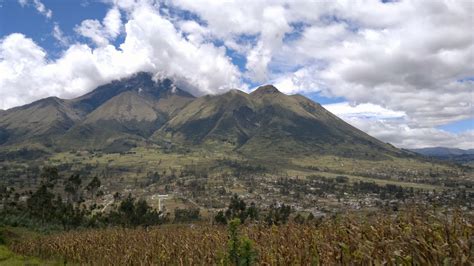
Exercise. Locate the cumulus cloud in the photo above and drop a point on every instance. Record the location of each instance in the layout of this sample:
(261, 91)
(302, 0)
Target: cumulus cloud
(402, 57)
(152, 43)
(273, 30)
(39, 6)
(366, 110)
(102, 32)
(394, 127)
(194, 32)
(410, 56)
(402, 135)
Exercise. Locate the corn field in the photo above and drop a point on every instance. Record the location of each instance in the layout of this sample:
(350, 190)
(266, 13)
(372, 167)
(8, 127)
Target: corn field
(416, 237)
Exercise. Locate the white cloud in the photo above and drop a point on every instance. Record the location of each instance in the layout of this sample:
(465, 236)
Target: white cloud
(229, 20)
(93, 30)
(39, 6)
(410, 59)
(194, 32)
(394, 127)
(299, 81)
(152, 43)
(102, 32)
(274, 27)
(366, 110)
(405, 136)
(113, 22)
(59, 35)
(407, 57)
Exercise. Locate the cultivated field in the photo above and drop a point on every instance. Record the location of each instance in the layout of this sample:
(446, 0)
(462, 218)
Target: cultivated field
(410, 237)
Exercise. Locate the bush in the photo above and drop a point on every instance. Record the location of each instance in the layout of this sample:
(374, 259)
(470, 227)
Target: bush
(278, 215)
(237, 209)
(342, 179)
(186, 215)
(133, 213)
(240, 249)
(2, 238)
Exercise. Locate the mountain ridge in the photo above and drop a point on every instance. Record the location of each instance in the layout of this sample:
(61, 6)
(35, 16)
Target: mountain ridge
(443, 151)
(128, 112)
(460, 156)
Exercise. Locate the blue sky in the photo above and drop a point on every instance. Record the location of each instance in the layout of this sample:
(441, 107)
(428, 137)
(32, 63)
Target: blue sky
(459, 126)
(389, 72)
(68, 14)
(27, 20)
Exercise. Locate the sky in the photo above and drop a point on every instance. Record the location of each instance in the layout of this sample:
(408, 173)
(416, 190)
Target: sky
(402, 71)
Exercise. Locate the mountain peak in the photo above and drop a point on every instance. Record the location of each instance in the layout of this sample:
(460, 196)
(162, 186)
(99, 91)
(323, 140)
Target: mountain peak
(141, 82)
(266, 89)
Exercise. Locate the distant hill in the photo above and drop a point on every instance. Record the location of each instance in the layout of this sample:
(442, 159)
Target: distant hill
(448, 154)
(138, 110)
(442, 151)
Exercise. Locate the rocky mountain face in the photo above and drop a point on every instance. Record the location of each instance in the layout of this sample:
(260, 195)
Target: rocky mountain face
(137, 110)
(134, 107)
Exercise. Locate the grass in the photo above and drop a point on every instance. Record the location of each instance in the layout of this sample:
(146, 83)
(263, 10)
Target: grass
(397, 171)
(157, 158)
(8, 257)
(151, 159)
(348, 165)
(355, 178)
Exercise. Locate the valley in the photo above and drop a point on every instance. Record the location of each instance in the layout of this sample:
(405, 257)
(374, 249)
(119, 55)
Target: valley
(236, 133)
(207, 179)
(140, 153)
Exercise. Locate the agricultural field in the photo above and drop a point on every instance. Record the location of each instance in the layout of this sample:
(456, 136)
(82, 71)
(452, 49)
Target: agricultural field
(413, 236)
(93, 207)
(8, 257)
(206, 179)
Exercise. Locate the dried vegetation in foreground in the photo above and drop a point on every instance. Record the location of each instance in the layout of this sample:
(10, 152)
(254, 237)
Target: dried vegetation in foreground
(414, 237)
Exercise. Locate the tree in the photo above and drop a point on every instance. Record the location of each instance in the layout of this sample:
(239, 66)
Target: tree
(240, 250)
(252, 211)
(299, 219)
(72, 187)
(93, 186)
(236, 209)
(220, 218)
(132, 213)
(40, 204)
(278, 214)
(49, 176)
(342, 179)
(186, 215)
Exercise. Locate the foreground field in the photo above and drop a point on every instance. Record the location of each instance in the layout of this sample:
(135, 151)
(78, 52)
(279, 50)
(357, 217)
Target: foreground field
(414, 237)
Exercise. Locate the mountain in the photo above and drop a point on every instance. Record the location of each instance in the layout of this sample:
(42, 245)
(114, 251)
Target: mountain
(137, 110)
(42, 121)
(124, 112)
(133, 107)
(268, 121)
(443, 151)
(448, 154)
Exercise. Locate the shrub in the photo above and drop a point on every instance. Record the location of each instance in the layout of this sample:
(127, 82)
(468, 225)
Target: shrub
(240, 249)
(186, 215)
(2, 238)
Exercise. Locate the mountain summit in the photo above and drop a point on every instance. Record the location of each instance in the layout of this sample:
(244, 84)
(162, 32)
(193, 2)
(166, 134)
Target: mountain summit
(132, 107)
(266, 89)
(138, 110)
(268, 121)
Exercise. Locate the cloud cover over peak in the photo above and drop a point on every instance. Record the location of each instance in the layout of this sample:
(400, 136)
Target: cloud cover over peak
(410, 57)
